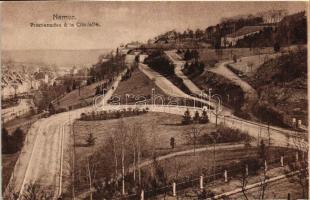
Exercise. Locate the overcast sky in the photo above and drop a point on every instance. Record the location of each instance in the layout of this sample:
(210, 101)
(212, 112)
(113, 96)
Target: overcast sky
(120, 22)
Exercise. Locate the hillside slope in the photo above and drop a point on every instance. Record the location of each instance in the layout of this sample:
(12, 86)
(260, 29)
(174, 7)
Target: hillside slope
(281, 84)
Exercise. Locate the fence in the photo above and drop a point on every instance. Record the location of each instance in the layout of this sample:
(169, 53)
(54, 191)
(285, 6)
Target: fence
(221, 176)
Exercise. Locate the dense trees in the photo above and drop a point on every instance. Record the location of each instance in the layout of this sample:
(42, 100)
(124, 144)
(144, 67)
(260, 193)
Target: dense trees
(12, 143)
(193, 68)
(286, 30)
(291, 30)
(159, 63)
(107, 68)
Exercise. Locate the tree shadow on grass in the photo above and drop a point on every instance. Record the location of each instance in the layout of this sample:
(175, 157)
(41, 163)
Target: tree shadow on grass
(81, 145)
(176, 124)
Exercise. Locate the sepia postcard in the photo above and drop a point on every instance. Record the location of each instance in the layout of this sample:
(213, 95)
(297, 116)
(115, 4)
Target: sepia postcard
(165, 100)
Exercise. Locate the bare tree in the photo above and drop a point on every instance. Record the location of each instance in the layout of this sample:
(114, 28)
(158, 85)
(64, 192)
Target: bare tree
(136, 139)
(301, 164)
(114, 142)
(263, 184)
(122, 133)
(133, 140)
(192, 134)
(244, 182)
(250, 65)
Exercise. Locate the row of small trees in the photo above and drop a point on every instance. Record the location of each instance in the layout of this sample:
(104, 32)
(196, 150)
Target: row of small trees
(188, 119)
(104, 115)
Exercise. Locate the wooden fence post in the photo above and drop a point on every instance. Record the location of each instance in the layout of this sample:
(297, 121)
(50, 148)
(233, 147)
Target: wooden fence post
(174, 189)
(201, 182)
(142, 194)
(225, 176)
(282, 163)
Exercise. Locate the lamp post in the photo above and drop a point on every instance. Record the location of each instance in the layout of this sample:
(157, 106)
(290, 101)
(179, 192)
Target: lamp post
(209, 106)
(153, 96)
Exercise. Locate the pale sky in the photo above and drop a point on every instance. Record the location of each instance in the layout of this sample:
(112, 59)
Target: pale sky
(120, 22)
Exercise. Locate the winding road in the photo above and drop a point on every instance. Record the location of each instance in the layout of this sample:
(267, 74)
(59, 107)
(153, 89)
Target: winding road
(44, 158)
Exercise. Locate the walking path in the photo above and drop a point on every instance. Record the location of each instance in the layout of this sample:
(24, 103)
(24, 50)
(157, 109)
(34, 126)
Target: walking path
(41, 160)
(255, 185)
(179, 63)
(251, 96)
(171, 155)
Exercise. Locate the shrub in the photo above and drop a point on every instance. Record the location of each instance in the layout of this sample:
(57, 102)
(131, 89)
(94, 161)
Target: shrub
(90, 140)
(204, 117)
(12, 143)
(172, 142)
(196, 117)
(104, 115)
(224, 135)
(276, 47)
(187, 119)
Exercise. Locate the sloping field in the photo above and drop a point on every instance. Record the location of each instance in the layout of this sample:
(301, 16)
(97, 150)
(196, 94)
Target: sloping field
(224, 54)
(137, 86)
(75, 97)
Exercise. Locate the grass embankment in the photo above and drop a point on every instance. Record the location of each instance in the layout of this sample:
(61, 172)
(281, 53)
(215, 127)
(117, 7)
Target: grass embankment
(232, 95)
(77, 97)
(161, 64)
(138, 87)
(8, 163)
(9, 159)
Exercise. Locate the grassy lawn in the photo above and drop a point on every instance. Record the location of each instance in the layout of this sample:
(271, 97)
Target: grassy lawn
(157, 129)
(137, 85)
(8, 163)
(249, 65)
(275, 190)
(192, 165)
(162, 125)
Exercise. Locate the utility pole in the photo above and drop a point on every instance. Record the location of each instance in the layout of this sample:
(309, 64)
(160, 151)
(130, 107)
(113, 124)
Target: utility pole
(268, 128)
(214, 160)
(90, 181)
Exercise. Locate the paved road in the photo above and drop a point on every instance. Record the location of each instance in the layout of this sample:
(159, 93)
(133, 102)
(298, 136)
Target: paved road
(179, 63)
(162, 82)
(278, 135)
(221, 69)
(42, 160)
(170, 89)
(42, 157)
(251, 96)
